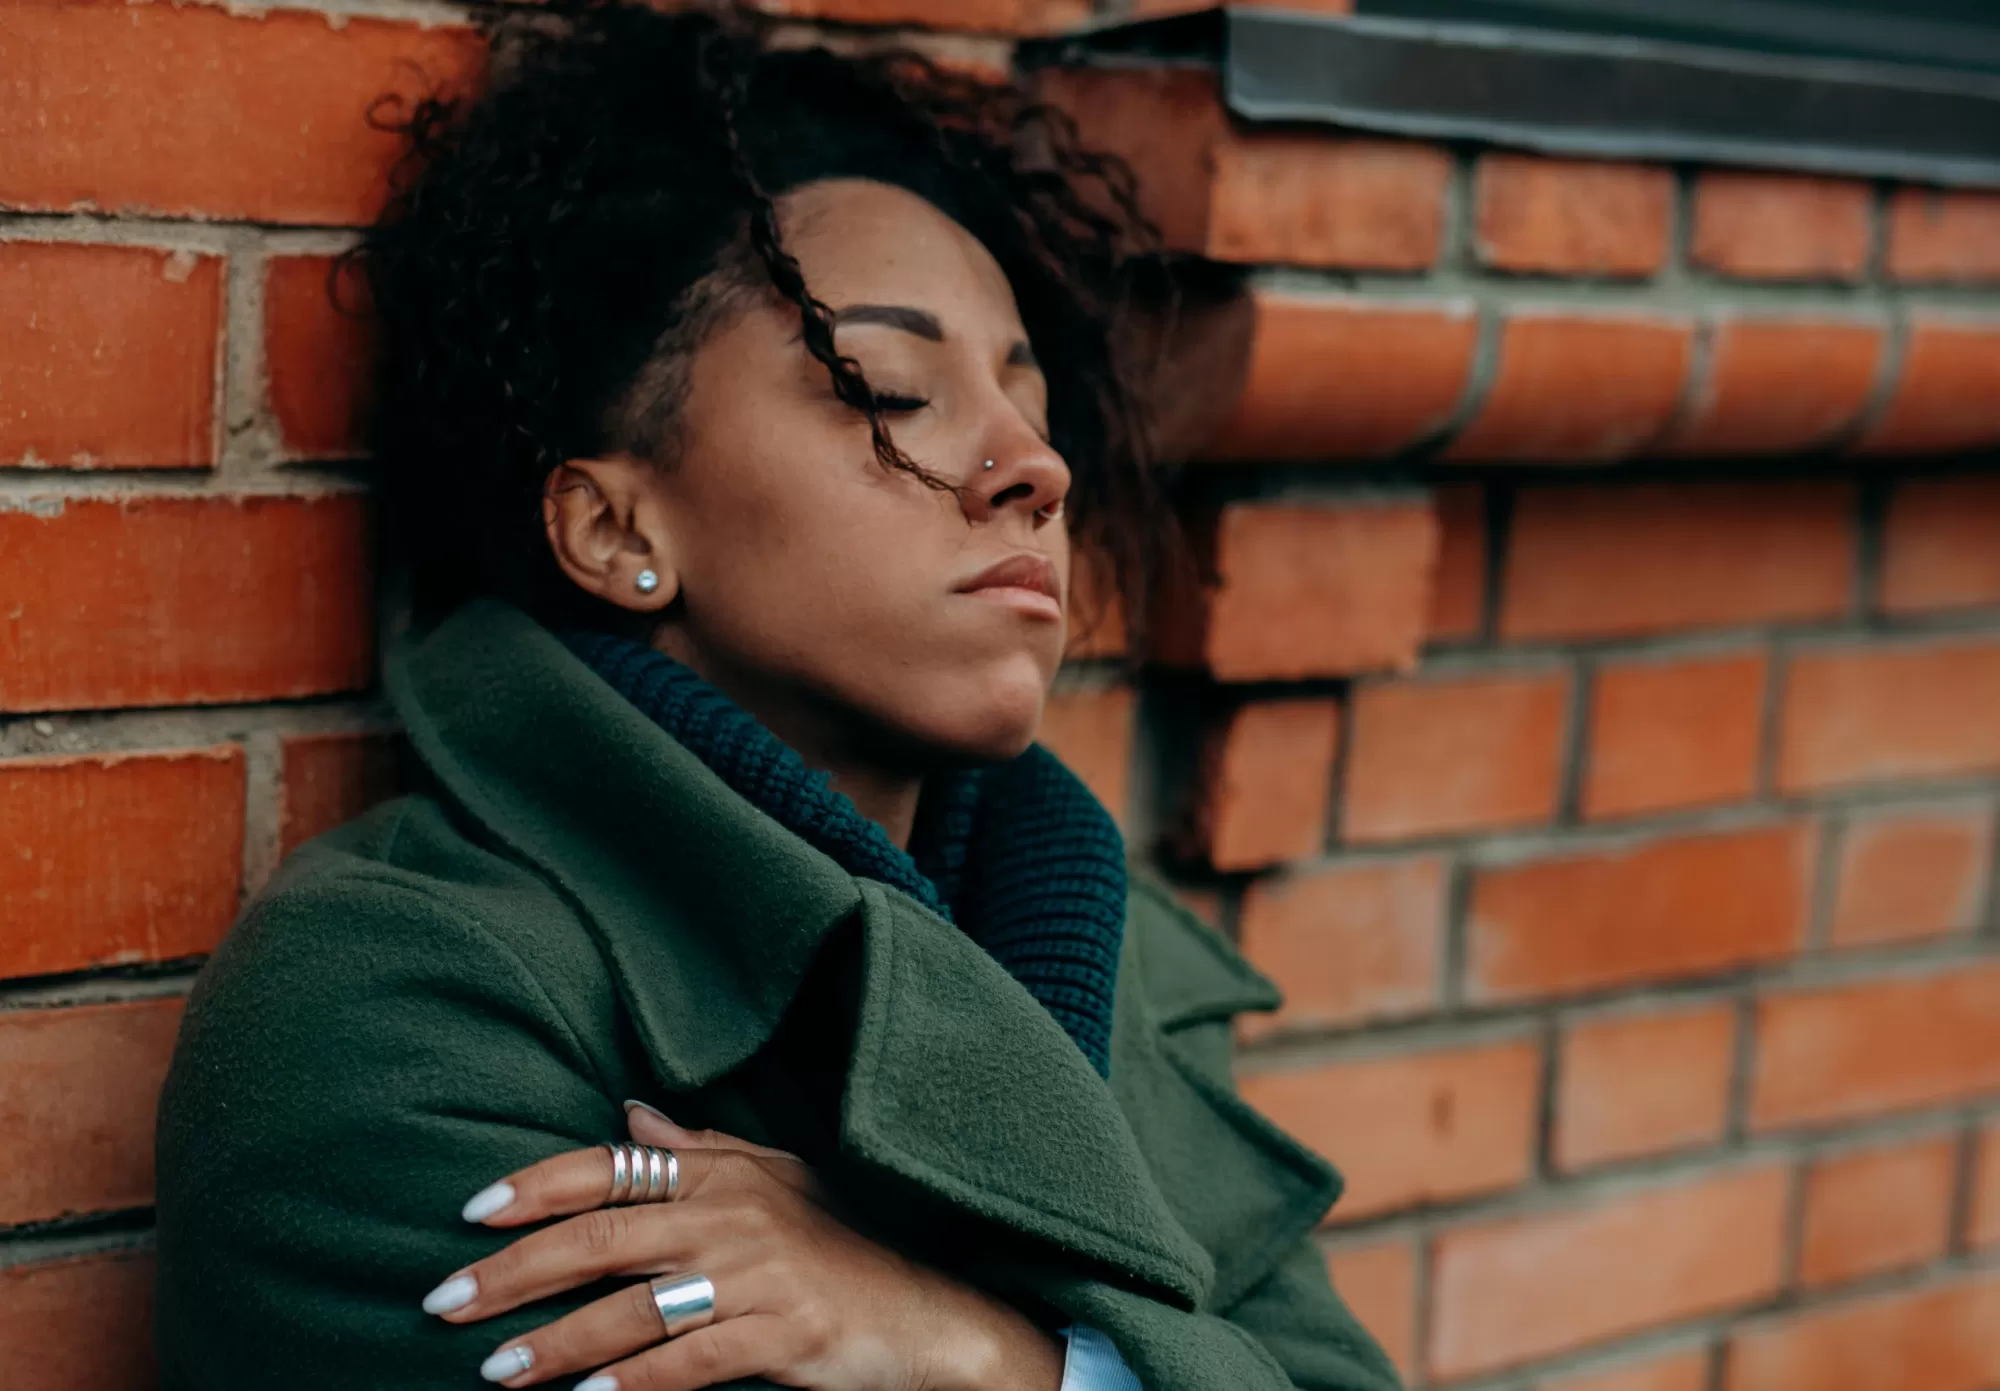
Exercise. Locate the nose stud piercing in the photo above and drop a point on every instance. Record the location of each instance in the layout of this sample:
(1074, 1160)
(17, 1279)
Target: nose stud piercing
(987, 464)
(647, 581)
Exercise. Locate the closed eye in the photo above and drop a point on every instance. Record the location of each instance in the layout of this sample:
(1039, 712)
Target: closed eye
(890, 403)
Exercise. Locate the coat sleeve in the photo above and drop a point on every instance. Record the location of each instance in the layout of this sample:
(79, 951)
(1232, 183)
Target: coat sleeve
(358, 1058)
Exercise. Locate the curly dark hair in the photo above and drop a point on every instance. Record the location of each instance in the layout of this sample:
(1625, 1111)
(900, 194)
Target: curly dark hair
(556, 249)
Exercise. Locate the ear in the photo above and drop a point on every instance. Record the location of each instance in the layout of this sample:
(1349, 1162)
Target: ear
(607, 526)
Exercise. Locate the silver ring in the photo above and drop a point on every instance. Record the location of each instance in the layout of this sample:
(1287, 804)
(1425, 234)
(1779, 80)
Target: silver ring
(642, 1174)
(684, 1304)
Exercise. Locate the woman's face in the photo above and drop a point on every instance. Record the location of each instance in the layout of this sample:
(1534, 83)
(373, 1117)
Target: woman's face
(838, 600)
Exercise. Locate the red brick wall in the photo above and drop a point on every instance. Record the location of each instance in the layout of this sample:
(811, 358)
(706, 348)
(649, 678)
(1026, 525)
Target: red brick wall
(1620, 825)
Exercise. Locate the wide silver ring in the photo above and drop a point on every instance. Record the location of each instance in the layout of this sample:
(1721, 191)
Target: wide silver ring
(643, 1174)
(685, 1304)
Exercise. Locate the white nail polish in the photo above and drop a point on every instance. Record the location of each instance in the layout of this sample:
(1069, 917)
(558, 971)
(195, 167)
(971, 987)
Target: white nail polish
(600, 1382)
(508, 1363)
(495, 1197)
(652, 1111)
(455, 1293)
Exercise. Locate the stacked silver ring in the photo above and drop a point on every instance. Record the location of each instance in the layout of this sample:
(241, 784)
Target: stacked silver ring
(685, 1304)
(643, 1174)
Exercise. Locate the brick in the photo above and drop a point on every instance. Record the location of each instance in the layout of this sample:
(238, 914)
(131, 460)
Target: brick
(1939, 1338)
(195, 111)
(1266, 781)
(329, 779)
(1096, 613)
(1413, 1128)
(1433, 756)
(1378, 1282)
(1666, 735)
(81, 1324)
(1572, 216)
(1639, 1084)
(1612, 561)
(1781, 226)
(118, 858)
(1875, 1210)
(1665, 909)
(110, 356)
(1458, 589)
(1948, 397)
(317, 357)
(80, 1084)
(1982, 1226)
(1151, 8)
(1333, 378)
(1855, 1051)
(1305, 589)
(1264, 197)
(1870, 712)
(983, 16)
(1509, 1292)
(1353, 942)
(1779, 386)
(1318, 200)
(1911, 876)
(1944, 237)
(211, 599)
(1676, 1371)
(1941, 545)
(1091, 731)
(1577, 387)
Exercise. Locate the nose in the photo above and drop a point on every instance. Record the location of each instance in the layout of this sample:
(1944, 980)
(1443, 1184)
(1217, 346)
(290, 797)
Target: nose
(1019, 473)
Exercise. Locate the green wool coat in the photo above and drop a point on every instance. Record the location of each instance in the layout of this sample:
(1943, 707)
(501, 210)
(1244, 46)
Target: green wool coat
(574, 911)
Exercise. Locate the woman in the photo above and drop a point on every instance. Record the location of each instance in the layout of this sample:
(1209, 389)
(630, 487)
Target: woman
(737, 407)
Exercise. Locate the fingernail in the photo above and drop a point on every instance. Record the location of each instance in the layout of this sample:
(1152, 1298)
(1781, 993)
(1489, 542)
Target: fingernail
(508, 1363)
(455, 1293)
(649, 1110)
(491, 1199)
(600, 1382)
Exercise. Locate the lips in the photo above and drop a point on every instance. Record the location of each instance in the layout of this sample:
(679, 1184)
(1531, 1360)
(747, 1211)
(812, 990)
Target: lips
(1035, 573)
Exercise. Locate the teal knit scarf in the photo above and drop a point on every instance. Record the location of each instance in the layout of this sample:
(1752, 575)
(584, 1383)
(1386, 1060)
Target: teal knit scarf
(1020, 855)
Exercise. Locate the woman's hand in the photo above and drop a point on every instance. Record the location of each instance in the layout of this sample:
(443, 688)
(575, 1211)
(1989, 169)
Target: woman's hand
(800, 1298)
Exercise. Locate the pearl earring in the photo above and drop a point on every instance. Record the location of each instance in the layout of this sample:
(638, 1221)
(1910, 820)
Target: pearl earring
(987, 464)
(647, 581)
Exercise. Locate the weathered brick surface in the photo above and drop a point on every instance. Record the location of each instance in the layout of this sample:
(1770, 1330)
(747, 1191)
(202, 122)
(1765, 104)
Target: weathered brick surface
(317, 342)
(1686, 1370)
(194, 111)
(1336, 378)
(1458, 586)
(212, 599)
(1906, 876)
(1304, 589)
(1878, 711)
(1779, 386)
(78, 1324)
(1876, 1046)
(118, 859)
(108, 357)
(1659, 910)
(80, 1083)
(1358, 941)
(1781, 227)
(1635, 1084)
(1941, 545)
(1942, 236)
(1576, 387)
(1611, 561)
(1306, 200)
(1091, 731)
(1411, 1128)
(331, 778)
(1267, 774)
(1939, 1337)
(1948, 396)
(1432, 756)
(1509, 1291)
(1877, 1209)
(1982, 1218)
(1572, 217)
(1665, 735)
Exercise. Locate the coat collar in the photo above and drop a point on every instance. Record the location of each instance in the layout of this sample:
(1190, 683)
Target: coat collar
(708, 910)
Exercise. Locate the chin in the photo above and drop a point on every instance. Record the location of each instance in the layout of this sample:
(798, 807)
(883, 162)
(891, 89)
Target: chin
(985, 718)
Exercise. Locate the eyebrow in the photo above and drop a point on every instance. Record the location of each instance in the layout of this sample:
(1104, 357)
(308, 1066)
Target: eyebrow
(920, 322)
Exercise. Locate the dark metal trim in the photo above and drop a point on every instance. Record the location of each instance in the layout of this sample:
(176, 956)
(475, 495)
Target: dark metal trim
(1576, 94)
